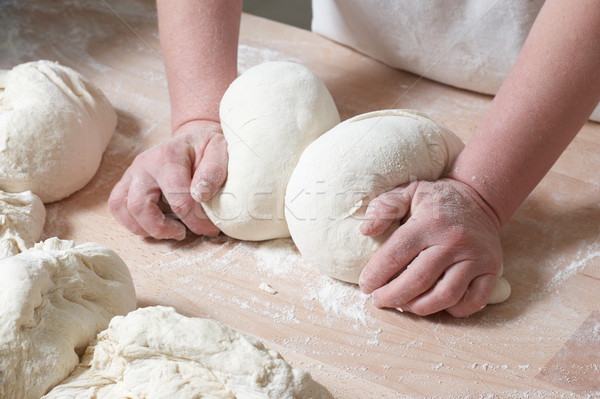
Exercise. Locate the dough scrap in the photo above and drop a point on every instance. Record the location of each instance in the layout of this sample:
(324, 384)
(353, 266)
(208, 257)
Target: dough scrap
(156, 352)
(340, 172)
(22, 218)
(54, 128)
(269, 115)
(55, 298)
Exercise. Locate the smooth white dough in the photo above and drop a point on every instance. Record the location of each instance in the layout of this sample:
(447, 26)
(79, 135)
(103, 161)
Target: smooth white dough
(22, 217)
(158, 353)
(55, 298)
(340, 172)
(54, 128)
(269, 115)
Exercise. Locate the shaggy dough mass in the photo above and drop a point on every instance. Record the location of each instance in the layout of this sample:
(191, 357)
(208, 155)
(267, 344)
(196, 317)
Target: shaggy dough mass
(22, 218)
(156, 353)
(54, 128)
(55, 298)
(269, 115)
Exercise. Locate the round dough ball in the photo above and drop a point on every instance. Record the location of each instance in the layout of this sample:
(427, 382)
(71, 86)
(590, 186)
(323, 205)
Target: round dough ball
(269, 115)
(54, 128)
(55, 298)
(155, 352)
(22, 218)
(340, 172)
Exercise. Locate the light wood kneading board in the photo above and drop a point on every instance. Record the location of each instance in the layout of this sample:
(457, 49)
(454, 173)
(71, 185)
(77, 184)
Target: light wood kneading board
(544, 342)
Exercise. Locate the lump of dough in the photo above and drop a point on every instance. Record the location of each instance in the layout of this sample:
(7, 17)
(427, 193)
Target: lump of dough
(22, 217)
(156, 352)
(340, 172)
(269, 115)
(55, 298)
(54, 128)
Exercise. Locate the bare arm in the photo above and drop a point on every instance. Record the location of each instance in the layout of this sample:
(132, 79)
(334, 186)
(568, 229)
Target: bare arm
(447, 254)
(199, 39)
(549, 94)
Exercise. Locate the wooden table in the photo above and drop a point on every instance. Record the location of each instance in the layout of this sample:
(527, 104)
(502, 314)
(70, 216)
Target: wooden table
(543, 342)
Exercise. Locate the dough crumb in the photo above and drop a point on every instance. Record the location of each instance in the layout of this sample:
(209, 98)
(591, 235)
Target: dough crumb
(267, 288)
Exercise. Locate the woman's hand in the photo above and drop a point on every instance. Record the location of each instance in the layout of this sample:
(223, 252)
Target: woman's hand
(187, 169)
(446, 254)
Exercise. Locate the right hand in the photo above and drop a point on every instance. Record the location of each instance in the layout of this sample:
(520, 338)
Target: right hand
(187, 169)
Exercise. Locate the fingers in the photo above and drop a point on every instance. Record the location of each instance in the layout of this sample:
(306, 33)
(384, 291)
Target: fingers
(386, 209)
(476, 296)
(142, 204)
(423, 273)
(391, 258)
(117, 204)
(446, 292)
(211, 171)
(174, 182)
(456, 291)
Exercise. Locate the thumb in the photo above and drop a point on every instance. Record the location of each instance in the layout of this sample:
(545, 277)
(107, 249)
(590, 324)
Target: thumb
(386, 209)
(211, 171)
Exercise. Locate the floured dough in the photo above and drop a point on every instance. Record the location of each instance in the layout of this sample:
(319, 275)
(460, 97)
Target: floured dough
(22, 218)
(54, 127)
(340, 172)
(269, 115)
(55, 298)
(157, 353)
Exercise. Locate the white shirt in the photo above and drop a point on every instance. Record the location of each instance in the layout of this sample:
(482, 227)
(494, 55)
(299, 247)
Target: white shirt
(470, 44)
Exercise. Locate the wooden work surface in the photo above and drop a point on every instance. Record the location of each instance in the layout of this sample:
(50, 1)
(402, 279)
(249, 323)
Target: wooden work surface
(543, 342)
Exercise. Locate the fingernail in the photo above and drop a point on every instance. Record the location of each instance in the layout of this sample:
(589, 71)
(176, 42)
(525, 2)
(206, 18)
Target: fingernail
(202, 190)
(179, 236)
(400, 309)
(212, 234)
(366, 226)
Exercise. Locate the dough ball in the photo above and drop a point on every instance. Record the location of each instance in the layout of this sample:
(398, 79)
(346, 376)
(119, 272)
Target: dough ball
(157, 353)
(54, 128)
(340, 172)
(269, 115)
(22, 218)
(55, 298)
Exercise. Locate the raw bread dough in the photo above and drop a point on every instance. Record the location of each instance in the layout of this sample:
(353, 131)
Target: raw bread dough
(54, 127)
(22, 218)
(157, 353)
(55, 298)
(269, 115)
(340, 172)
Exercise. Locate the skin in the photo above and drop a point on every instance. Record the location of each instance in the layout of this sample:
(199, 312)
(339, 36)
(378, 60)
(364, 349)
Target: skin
(199, 40)
(446, 254)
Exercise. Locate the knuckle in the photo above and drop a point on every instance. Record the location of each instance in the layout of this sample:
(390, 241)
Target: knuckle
(115, 204)
(419, 282)
(136, 205)
(180, 207)
(447, 298)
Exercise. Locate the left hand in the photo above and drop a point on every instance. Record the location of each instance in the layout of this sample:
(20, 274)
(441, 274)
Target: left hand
(446, 254)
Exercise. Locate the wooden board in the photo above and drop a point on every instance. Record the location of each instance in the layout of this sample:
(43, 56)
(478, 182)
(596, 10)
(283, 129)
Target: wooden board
(543, 342)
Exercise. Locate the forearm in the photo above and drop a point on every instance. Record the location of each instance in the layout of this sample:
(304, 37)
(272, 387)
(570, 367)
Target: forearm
(548, 96)
(199, 39)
